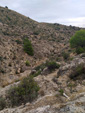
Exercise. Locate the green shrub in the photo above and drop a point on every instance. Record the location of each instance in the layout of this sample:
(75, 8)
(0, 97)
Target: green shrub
(26, 91)
(79, 50)
(40, 67)
(27, 63)
(65, 55)
(36, 74)
(28, 47)
(61, 91)
(52, 65)
(78, 41)
(18, 42)
(2, 103)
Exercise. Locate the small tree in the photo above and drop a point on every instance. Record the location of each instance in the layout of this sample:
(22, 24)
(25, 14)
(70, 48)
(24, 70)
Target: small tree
(6, 7)
(28, 47)
(78, 41)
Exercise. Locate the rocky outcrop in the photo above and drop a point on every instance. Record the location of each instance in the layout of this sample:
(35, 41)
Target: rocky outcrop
(67, 68)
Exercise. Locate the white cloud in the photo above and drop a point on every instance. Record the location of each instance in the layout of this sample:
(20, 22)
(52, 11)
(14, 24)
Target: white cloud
(59, 11)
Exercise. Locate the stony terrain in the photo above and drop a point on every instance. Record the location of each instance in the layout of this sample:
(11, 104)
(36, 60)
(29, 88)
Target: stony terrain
(49, 42)
(50, 99)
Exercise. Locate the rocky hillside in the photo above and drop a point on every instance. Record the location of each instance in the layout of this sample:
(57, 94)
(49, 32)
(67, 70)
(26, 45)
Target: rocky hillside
(58, 92)
(48, 40)
(61, 91)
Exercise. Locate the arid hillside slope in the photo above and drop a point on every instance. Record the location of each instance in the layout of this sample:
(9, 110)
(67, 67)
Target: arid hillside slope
(50, 81)
(48, 40)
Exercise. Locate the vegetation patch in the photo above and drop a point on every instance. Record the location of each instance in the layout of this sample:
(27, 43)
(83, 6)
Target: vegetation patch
(27, 63)
(61, 91)
(28, 47)
(26, 91)
(78, 41)
(65, 55)
(52, 65)
(38, 69)
(37, 73)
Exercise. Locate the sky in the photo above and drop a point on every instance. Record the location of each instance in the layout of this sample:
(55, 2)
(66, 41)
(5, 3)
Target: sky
(67, 12)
